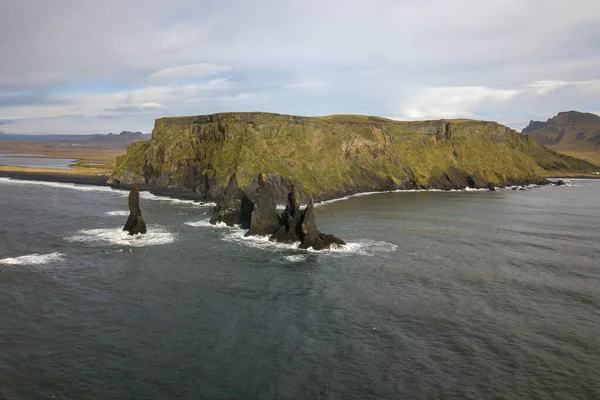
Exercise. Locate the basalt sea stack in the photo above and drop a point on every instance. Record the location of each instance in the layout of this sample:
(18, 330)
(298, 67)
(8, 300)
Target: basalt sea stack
(135, 223)
(234, 208)
(260, 216)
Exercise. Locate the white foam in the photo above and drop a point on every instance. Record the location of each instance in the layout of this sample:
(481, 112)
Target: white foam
(207, 224)
(150, 196)
(33, 259)
(156, 236)
(364, 247)
(295, 258)
(325, 202)
(61, 185)
(121, 213)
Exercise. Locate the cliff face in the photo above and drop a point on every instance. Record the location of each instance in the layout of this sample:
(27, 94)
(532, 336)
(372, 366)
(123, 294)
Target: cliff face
(567, 129)
(332, 156)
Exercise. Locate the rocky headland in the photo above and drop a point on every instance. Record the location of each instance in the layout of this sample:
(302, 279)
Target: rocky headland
(329, 157)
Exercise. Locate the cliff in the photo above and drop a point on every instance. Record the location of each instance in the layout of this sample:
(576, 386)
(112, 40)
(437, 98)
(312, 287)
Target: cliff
(334, 155)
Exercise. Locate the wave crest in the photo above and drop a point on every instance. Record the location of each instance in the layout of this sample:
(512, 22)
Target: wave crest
(33, 259)
(115, 236)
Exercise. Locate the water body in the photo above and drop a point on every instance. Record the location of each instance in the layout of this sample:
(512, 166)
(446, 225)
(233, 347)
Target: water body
(440, 295)
(35, 161)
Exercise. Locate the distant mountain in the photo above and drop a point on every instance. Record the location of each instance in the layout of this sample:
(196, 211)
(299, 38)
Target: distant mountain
(121, 140)
(45, 138)
(568, 130)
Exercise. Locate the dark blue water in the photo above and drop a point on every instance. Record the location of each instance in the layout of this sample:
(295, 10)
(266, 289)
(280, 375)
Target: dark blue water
(459, 295)
(36, 161)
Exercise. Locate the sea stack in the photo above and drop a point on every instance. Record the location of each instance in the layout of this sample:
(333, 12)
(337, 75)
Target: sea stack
(135, 223)
(264, 219)
(234, 208)
(260, 216)
(301, 226)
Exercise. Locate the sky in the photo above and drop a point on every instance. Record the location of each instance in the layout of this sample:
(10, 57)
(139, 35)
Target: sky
(90, 66)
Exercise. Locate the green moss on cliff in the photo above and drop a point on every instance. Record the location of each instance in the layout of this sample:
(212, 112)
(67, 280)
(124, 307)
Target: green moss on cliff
(335, 154)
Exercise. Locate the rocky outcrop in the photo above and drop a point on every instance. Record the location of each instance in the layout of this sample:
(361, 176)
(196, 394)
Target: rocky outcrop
(291, 226)
(135, 223)
(264, 219)
(310, 235)
(289, 221)
(234, 208)
(300, 226)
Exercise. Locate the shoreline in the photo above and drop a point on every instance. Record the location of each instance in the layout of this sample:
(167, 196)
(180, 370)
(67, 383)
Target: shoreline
(101, 180)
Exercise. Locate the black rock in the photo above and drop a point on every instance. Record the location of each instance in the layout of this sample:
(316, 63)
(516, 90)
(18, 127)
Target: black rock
(135, 223)
(289, 220)
(310, 235)
(264, 219)
(560, 183)
(234, 208)
(491, 187)
(471, 182)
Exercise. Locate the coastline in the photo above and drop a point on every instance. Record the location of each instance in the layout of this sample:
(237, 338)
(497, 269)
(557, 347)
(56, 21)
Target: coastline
(101, 180)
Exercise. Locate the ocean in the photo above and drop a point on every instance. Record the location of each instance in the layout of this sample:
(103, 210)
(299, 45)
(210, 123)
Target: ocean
(438, 295)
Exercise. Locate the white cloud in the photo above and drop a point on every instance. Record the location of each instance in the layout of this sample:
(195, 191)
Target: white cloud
(416, 59)
(454, 102)
(186, 72)
(307, 84)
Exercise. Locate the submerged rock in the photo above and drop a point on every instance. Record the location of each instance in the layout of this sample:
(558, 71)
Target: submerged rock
(234, 208)
(264, 219)
(135, 223)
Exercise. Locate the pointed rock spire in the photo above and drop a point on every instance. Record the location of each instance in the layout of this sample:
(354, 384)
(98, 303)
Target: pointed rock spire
(135, 223)
(265, 219)
(234, 208)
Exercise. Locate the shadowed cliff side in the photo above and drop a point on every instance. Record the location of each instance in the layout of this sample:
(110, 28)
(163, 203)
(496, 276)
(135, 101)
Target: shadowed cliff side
(326, 157)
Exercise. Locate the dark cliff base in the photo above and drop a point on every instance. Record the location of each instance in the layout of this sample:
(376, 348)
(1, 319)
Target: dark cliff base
(98, 181)
(202, 197)
(57, 177)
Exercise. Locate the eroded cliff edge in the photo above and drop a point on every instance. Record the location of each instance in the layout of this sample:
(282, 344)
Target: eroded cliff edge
(331, 156)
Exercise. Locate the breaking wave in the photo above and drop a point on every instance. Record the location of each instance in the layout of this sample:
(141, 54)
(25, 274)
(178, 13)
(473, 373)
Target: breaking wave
(115, 236)
(149, 196)
(117, 213)
(207, 224)
(61, 185)
(33, 259)
(236, 235)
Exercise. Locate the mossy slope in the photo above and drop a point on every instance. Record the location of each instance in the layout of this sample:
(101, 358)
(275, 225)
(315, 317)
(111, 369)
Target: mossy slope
(334, 155)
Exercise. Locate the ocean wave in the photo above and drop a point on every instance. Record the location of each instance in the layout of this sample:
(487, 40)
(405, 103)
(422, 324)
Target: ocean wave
(207, 224)
(61, 185)
(149, 196)
(33, 259)
(365, 247)
(121, 213)
(116, 236)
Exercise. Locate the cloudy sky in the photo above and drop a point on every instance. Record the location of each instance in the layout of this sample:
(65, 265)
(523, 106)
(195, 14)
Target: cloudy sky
(91, 66)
